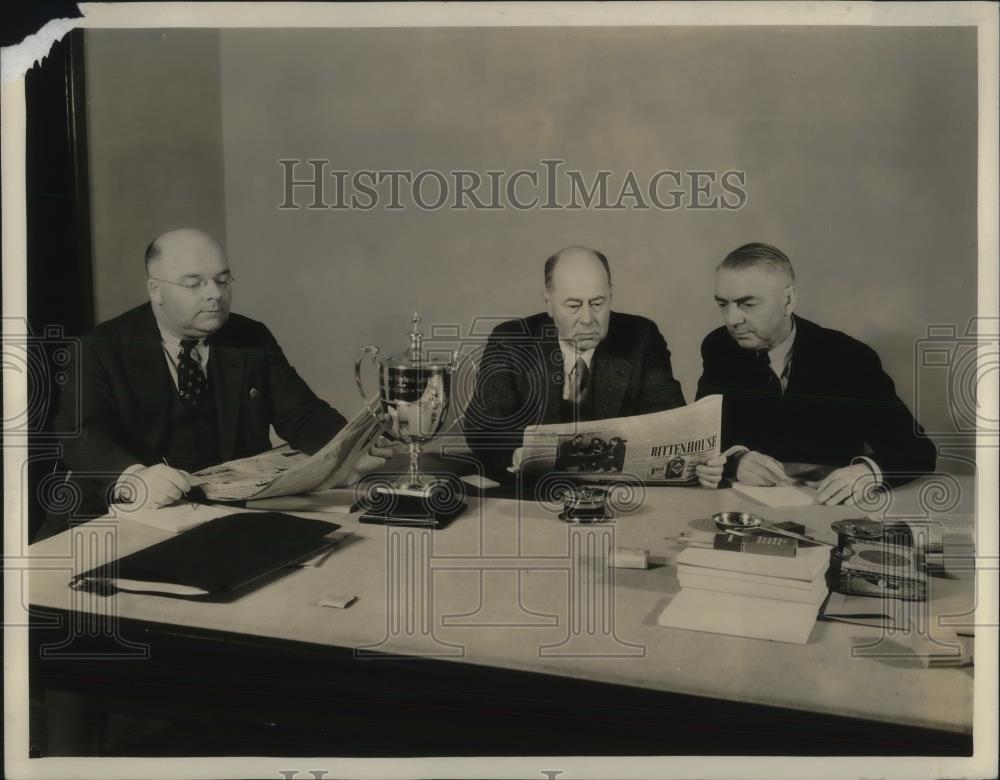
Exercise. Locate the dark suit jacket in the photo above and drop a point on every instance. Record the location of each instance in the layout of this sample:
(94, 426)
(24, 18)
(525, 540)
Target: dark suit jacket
(520, 381)
(837, 401)
(123, 403)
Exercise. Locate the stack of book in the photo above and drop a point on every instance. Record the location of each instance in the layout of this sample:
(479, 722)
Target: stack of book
(765, 587)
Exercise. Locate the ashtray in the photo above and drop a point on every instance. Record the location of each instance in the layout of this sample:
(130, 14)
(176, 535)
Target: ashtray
(862, 529)
(585, 505)
(737, 521)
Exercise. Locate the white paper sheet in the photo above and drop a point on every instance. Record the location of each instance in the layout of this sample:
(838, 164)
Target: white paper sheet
(777, 495)
(338, 501)
(748, 616)
(176, 518)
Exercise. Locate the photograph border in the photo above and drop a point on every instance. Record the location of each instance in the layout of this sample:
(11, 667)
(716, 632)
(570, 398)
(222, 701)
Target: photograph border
(228, 15)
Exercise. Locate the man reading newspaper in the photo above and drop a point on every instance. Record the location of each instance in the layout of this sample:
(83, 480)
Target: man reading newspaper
(668, 448)
(577, 362)
(178, 384)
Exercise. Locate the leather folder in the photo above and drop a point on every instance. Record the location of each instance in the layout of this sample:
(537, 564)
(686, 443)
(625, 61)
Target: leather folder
(218, 560)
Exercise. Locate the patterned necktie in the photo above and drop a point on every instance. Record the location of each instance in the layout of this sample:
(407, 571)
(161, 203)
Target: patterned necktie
(191, 382)
(579, 381)
(771, 380)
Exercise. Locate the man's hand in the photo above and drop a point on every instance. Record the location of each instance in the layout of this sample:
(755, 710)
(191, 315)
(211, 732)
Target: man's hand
(842, 485)
(376, 457)
(710, 472)
(756, 468)
(155, 486)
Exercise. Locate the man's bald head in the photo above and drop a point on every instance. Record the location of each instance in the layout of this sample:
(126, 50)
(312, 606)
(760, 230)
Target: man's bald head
(189, 240)
(578, 257)
(189, 282)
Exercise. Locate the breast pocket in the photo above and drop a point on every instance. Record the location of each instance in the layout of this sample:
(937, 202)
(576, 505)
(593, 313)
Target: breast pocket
(255, 400)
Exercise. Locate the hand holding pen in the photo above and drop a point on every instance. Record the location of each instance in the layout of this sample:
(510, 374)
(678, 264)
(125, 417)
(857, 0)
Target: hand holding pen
(158, 485)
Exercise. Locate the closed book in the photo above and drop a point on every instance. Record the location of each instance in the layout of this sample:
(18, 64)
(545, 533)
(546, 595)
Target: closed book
(807, 564)
(814, 585)
(756, 544)
(216, 560)
(736, 615)
(776, 592)
(886, 614)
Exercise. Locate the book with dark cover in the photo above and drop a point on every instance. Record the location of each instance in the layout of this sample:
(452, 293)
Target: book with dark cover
(762, 544)
(214, 560)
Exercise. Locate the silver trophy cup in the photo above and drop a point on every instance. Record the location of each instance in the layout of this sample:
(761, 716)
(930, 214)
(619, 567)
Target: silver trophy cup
(412, 403)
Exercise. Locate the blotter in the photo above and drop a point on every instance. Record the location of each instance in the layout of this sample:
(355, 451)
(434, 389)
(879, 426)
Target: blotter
(215, 561)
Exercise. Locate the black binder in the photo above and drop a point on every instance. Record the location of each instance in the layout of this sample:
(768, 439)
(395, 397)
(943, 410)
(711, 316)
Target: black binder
(218, 561)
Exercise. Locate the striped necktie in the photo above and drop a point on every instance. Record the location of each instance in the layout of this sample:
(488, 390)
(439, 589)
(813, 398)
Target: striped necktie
(579, 382)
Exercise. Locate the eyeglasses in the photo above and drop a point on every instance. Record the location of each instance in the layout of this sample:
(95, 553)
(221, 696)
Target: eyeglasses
(223, 281)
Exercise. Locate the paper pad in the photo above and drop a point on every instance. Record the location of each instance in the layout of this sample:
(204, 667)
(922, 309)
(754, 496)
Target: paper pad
(729, 613)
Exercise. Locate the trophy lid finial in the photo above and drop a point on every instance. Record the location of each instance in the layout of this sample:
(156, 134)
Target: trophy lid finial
(416, 338)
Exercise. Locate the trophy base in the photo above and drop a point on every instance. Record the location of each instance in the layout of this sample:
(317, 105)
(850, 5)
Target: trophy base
(414, 508)
(582, 518)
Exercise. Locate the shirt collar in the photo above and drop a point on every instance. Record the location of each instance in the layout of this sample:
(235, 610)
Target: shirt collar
(570, 355)
(781, 353)
(173, 344)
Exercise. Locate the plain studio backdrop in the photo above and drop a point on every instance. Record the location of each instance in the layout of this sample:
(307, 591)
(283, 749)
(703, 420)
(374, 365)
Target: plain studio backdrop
(858, 147)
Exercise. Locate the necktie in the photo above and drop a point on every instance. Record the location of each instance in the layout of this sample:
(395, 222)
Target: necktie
(191, 382)
(579, 381)
(771, 381)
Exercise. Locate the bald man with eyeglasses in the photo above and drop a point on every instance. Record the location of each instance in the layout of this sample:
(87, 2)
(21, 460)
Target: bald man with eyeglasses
(180, 383)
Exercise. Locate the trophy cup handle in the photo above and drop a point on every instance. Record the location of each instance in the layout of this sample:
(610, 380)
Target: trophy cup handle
(372, 410)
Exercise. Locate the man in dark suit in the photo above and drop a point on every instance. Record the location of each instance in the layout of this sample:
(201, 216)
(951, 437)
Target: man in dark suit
(795, 392)
(577, 361)
(179, 383)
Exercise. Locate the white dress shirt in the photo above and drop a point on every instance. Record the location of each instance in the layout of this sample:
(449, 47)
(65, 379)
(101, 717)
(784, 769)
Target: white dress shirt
(780, 356)
(570, 356)
(172, 352)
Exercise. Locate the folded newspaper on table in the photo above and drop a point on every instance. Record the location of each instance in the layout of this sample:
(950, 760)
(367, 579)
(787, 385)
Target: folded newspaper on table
(660, 448)
(285, 472)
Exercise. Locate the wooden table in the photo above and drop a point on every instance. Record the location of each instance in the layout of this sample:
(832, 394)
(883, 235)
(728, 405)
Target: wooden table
(511, 591)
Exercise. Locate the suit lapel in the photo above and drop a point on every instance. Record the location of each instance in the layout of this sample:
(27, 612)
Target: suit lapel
(803, 351)
(226, 367)
(551, 378)
(609, 376)
(149, 378)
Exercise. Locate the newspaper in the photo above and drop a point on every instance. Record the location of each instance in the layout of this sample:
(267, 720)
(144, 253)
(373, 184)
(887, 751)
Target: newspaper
(659, 448)
(284, 471)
